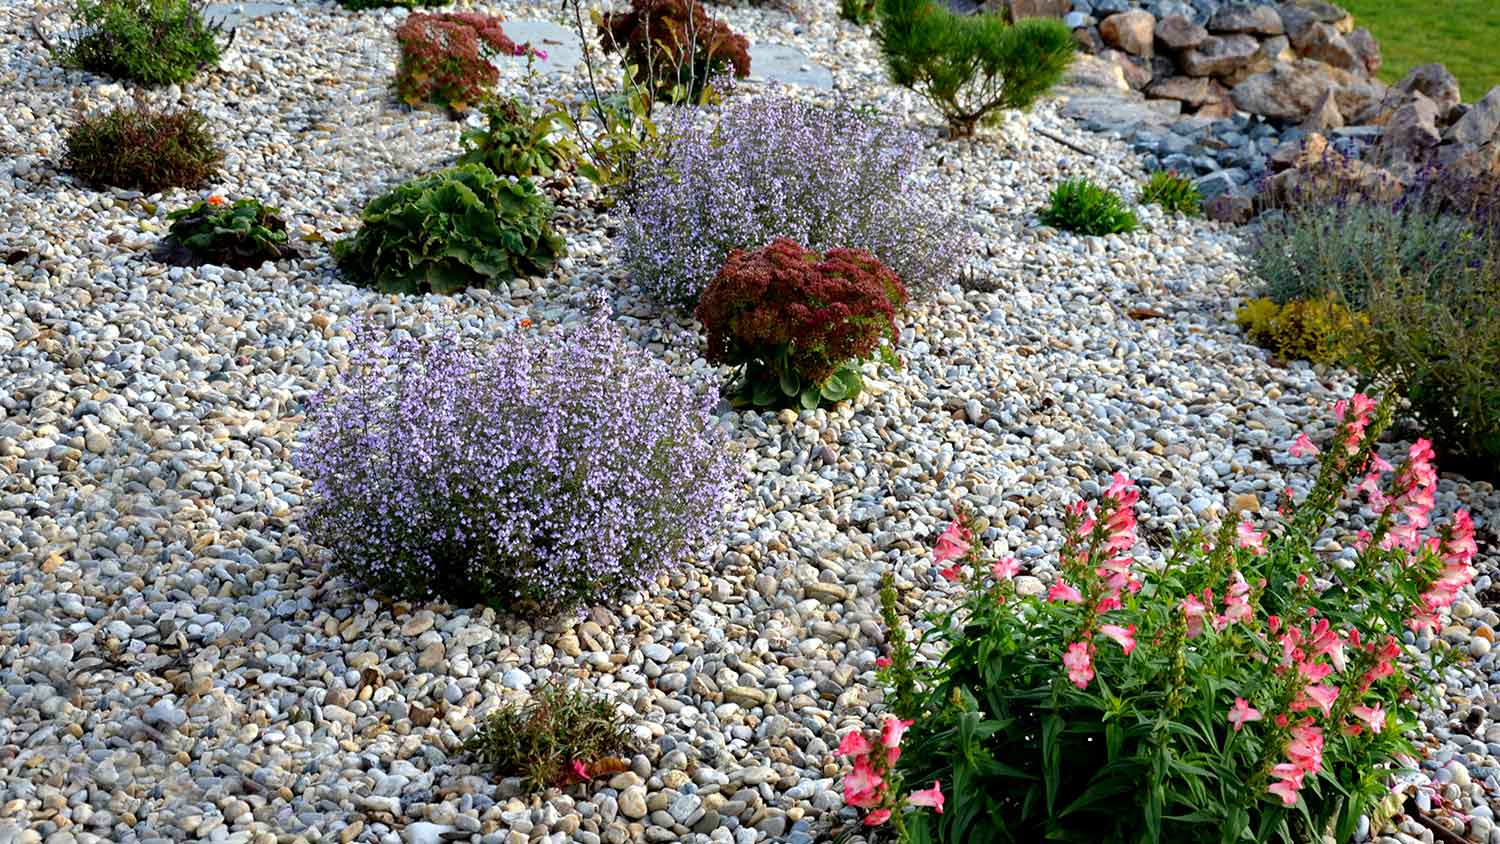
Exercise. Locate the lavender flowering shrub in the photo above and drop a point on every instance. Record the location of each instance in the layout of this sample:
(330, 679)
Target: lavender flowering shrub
(776, 168)
(532, 474)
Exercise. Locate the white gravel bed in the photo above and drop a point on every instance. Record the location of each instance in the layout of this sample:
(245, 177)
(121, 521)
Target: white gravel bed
(175, 664)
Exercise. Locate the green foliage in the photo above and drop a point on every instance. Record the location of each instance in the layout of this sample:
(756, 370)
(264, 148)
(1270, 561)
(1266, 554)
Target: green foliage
(861, 12)
(454, 229)
(244, 234)
(541, 739)
(1213, 699)
(969, 66)
(674, 48)
(798, 323)
(1424, 284)
(515, 141)
(1317, 330)
(1175, 194)
(154, 42)
(1082, 207)
(608, 153)
(140, 148)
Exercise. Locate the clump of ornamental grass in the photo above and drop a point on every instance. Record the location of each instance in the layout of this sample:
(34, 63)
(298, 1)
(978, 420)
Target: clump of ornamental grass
(797, 324)
(530, 473)
(861, 12)
(558, 736)
(141, 148)
(776, 168)
(1176, 194)
(446, 58)
(153, 42)
(245, 233)
(451, 230)
(674, 48)
(1245, 688)
(1421, 272)
(1082, 207)
(517, 141)
(971, 66)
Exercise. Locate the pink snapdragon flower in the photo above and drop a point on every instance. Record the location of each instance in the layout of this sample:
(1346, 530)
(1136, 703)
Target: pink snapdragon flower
(1303, 447)
(1005, 568)
(863, 787)
(1125, 636)
(1079, 660)
(953, 544)
(929, 797)
(1062, 591)
(1373, 716)
(1242, 712)
(1247, 537)
(854, 744)
(1195, 610)
(580, 770)
(877, 817)
(890, 738)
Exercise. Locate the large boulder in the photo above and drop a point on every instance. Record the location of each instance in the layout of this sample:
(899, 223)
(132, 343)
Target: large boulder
(1322, 42)
(1272, 50)
(1246, 18)
(1091, 72)
(1434, 82)
(1220, 55)
(1133, 31)
(1367, 48)
(1299, 14)
(1179, 33)
(1479, 124)
(1291, 90)
(1137, 70)
(1412, 133)
(1193, 90)
(1325, 115)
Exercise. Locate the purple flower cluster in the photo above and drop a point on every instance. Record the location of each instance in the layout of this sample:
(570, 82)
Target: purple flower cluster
(533, 474)
(773, 168)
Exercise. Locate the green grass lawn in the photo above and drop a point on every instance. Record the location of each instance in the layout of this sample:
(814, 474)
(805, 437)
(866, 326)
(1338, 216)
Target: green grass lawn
(1462, 34)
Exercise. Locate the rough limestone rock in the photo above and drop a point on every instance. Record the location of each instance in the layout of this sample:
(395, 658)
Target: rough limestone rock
(1179, 33)
(1367, 48)
(1290, 90)
(1193, 90)
(1039, 8)
(1132, 31)
(1434, 82)
(1478, 126)
(1299, 13)
(1220, 55)
(1325, 115)
(1137, 70)
(1412, 132)
(1246, 18)
(1088, 39)
(1092, 72)
(1229, 208)
(1322, 42)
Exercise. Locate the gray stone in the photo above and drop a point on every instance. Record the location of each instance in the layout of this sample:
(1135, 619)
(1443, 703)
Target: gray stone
(1291, 90)
(1194, 90)
(1322, 42)
(1135, 70)
(1479, 123)
(1367, 48)
(782, 63)
(1091, 72)
(1412, 131)
(1178, 33)
(1220, 55)
(1325, 114)
(1039, 8)
(1434, 82)
(1247, 18)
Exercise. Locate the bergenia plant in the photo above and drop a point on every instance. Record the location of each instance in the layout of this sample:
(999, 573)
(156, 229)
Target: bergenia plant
(1241, 686)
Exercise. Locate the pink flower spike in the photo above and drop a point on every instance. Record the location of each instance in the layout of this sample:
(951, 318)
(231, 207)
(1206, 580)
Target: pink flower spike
(1303, 447)
(1079, 662)
(1285, 790)
(541, 54)
(882, 662)
(1323, 695)
(580, 770)
(1373, 716)
(1005, 568)
(854, 744)
(1242, 712)
(1246, 536)
(1125, 636)
(931, 797)
(954, 543)
(952, 574)
(1061, 591)
(877, 817)
(863, 787)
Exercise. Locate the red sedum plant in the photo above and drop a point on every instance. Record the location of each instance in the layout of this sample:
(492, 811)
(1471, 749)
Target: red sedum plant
(674, 47)
(798, 323)
(1246, 688)
(445, 58)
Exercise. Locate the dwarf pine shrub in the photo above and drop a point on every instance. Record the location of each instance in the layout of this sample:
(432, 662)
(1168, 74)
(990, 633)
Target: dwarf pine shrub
(773, 168)
(153, 42)
(138, 147)
(531, 473)
(969, 66)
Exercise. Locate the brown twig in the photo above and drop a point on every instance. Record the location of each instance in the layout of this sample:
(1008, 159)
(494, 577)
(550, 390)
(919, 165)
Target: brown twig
(1064, 141)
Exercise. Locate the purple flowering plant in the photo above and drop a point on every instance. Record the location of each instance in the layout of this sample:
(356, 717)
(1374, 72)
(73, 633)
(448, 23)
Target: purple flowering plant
(774, 167)
(531, 473)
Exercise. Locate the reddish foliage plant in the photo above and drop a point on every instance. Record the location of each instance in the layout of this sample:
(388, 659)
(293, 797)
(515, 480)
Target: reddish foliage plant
(675, 42)
(788, 312)
(445, 57)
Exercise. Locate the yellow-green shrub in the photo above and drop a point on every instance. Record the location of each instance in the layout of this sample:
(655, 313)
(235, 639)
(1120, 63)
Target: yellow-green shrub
(1318, 330)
